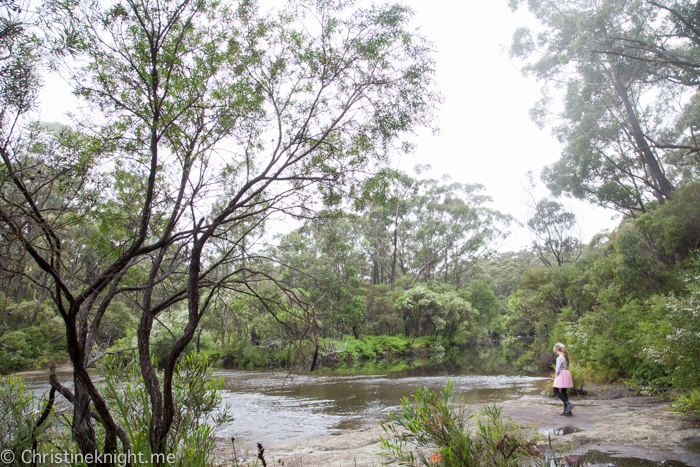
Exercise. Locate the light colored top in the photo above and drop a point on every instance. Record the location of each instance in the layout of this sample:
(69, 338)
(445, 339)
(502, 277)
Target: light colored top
(561, 364)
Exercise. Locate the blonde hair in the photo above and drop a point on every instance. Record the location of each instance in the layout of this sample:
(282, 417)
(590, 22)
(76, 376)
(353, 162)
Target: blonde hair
(559, 347)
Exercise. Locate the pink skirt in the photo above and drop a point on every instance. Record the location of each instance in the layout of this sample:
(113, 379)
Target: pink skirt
(564, 380)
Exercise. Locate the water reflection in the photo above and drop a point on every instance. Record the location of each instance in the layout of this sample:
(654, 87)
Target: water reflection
(277, 407)
(274, 407)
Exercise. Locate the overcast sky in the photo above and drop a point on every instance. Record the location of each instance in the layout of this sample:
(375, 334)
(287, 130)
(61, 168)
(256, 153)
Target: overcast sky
(486, 135)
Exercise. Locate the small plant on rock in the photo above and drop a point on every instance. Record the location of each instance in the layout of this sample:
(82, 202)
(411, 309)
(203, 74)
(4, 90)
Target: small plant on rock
(433, 431)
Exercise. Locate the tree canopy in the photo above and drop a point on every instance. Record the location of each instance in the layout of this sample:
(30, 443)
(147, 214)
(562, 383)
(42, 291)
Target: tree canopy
(201, 120)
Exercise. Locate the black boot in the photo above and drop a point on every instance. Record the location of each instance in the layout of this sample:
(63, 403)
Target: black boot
(568, 408)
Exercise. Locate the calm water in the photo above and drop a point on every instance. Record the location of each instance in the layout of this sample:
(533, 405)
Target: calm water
(276, 407)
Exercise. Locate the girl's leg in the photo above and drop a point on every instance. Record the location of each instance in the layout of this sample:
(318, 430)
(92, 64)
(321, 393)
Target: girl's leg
(564, 399)
(568, 406)
(561, 394)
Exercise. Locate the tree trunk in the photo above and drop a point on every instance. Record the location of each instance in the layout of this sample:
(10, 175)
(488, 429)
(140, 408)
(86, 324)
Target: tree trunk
(83, 432)
(313, 362)
(39, 297)
(243, 263)
(663, 185)
(315, 359)
(393, 258)
(393, 261)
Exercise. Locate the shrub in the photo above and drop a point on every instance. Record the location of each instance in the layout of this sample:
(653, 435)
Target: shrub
(610, 338)
(360, 349)
(678, 348)
(651, 373)
(394, 346)
(432, 431)
(22, 417)
(242, 354)
(689, 403)
(199, 411)
(33, 337)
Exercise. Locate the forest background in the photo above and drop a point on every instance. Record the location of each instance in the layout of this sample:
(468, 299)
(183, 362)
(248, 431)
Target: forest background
(141, 230)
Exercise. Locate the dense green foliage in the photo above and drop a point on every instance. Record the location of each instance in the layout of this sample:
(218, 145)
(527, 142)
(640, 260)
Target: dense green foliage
(34, 337)
(627, 307)
(198, 121)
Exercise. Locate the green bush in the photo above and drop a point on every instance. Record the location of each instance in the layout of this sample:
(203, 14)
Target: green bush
(651, 373)
(33, 337)
(675, 226)
(21, 418)
(679, 350)
(433, 431)
(688, 403)
(199, 411)
(242, 354)
(392, 345)
(29, 349)
(609, 339)
(360, 349)
(677, 345)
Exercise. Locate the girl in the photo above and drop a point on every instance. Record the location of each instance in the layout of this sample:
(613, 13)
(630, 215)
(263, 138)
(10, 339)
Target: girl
(562, 379)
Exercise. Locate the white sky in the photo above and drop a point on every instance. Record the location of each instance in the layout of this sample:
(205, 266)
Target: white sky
(486, 135)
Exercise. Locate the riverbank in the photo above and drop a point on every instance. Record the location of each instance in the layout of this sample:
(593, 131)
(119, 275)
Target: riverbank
(609, 426)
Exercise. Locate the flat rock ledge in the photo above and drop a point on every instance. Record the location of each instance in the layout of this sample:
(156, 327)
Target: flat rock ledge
(628, 427)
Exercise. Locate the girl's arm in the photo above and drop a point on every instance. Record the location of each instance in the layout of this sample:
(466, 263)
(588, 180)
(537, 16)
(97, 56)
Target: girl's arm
(559, 362)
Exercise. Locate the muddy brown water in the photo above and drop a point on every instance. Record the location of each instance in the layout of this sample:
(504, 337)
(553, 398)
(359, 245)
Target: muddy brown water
(279, 407)
(276, 407)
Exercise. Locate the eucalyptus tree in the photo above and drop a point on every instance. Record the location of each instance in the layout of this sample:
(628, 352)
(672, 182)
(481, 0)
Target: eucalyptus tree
(424, 229)
(201, 120)
(449, 229)
(323, 260)
(669, 43)
(384, 202)
(616, 110)
(19, 58)
(667, 48)
(551, 227)
(372, 230)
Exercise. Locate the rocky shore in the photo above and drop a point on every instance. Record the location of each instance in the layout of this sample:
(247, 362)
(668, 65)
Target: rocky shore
(611, 426)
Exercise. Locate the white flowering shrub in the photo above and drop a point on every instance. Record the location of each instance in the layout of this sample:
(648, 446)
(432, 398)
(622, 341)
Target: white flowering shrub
(679, 347)
(679, 350)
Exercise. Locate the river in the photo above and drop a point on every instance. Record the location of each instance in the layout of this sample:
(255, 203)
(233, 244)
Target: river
(277, 407)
